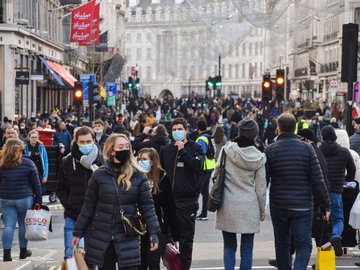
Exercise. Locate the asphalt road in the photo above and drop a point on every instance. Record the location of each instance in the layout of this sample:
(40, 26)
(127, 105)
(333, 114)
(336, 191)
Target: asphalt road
(207, 253)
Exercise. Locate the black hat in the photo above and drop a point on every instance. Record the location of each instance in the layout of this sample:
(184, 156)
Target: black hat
(307, 133)
(328, 133)
(248, 128)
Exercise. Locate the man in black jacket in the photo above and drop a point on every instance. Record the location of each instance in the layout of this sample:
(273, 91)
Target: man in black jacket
(77, 168)
(183, 162)
(295, 179)
(338, 159)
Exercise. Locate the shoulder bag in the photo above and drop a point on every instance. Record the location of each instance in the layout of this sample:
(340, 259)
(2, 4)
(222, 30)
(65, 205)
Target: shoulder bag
(217, 191)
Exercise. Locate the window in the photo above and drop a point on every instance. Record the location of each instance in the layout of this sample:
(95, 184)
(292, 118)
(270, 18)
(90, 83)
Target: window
(128, 54)
(243, 50)
(237, 71)
(243, 71)
(250, 48)
(138, 54)
(256, 70)
(148, 73)
(138, 37)
(256, 48)
(148, 55)
(230, 71)
(261, 47)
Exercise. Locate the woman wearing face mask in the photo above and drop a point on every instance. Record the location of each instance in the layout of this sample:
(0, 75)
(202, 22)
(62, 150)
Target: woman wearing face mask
(149, 161)
(36, 151)
(119, 184)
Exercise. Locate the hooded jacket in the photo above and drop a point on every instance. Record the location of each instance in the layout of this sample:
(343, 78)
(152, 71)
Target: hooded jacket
(338, 159)
(245, 189)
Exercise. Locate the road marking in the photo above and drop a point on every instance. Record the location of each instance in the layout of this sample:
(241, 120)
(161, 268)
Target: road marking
(269, 267)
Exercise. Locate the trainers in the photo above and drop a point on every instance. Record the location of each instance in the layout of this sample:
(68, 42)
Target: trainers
(272, 262)
(336, 242)
(201, 217)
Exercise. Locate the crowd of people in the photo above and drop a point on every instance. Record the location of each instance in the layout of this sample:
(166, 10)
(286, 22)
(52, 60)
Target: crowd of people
(155, 158)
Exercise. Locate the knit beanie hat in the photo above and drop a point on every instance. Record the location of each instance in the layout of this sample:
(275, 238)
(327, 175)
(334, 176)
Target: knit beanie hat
(328, 133)
(248, 128)
(307, 133)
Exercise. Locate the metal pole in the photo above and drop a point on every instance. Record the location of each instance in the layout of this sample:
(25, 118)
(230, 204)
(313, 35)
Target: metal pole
(189, 86)
(219, 65)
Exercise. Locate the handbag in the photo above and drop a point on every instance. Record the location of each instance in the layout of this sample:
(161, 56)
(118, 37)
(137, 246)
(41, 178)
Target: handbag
(76, 262)
(37, 222)
(172, 258)
(325, 259)
(133, 227)
(217, 191)
(354, 219)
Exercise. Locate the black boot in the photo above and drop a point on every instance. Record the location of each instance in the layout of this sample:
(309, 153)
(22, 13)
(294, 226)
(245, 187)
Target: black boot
(7, 255)
(24, 253)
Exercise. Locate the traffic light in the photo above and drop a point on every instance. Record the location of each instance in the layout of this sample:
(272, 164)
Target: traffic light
(130, 83)
(137, 83)
(209, 84)
(93, 92)
(280, 83)
(266, 88)
(218, 82)
(78, 94)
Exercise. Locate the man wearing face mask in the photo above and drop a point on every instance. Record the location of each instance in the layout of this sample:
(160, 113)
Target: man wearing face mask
(100, 135)
(77, 168)
(183, 162)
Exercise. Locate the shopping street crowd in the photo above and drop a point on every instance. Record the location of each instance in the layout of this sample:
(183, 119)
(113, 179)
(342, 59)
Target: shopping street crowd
(155, 158)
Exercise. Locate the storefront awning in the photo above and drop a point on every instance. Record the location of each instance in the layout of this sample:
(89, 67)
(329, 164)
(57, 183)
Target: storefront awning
(59, 69)
(53, 73)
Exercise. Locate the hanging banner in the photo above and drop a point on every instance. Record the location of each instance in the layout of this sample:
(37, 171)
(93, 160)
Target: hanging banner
(110, 94)
(81, 22)
(95, 29)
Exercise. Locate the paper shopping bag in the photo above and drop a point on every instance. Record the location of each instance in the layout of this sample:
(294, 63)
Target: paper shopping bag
(354, 218)
(64, 266)
(71, 263)
(325, 259)
(80, 262)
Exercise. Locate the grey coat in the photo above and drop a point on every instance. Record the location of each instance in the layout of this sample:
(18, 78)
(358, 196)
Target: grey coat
(245, 190)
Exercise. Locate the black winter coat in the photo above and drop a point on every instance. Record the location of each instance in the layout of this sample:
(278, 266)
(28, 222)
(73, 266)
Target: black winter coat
(100, 217)
(72, 186)
(182, 170)
(101, 142)
(355, 142)
(338, 159)
(293, 169)
(156, 142)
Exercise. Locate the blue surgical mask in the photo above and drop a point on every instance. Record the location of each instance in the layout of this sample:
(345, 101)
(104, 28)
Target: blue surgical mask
(145, 165)
(98, 131)
(178, 135)
(86, 148)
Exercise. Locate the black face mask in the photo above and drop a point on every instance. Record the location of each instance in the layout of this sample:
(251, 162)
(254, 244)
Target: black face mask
(123, 156)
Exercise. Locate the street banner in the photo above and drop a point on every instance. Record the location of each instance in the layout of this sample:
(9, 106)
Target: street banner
(111, 94)
(103, 45)
(95, 29)
(85, 79)
(81, 22)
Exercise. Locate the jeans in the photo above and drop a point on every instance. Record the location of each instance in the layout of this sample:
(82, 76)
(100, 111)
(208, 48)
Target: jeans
(337, 214)
(204, 190)
(246, 250)
(68, 236)
(15, 211)
(293, 223)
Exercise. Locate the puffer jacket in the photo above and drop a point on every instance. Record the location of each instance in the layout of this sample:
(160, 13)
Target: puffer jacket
(295, 174)
(338, 159)
(355, 142)
(100, 216)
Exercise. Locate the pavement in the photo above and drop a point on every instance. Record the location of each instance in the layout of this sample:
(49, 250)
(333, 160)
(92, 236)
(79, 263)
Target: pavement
(207, 254)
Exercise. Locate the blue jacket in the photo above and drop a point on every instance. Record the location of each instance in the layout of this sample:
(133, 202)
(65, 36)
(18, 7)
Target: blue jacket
(44, 159)
(63, 137)
(20, 182)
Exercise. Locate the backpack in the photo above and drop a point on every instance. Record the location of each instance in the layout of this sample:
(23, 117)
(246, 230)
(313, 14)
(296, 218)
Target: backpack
(210, 153)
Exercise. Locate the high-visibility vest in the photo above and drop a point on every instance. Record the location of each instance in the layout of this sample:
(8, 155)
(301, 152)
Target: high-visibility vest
(209, 164)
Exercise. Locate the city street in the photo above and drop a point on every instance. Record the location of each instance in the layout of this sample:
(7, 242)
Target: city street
(207, 253)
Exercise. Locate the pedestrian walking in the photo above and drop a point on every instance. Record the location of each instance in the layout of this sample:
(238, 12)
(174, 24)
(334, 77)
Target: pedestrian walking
(20, 189)
(36, 151)
(118, 185)
(294, 180)
(62, 136)
(165, 209)
(76, 170)
(183, 162)
(244, 195)
(100, 135)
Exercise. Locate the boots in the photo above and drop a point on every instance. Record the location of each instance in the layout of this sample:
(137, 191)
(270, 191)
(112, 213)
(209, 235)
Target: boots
(24, 253)
(7, 255)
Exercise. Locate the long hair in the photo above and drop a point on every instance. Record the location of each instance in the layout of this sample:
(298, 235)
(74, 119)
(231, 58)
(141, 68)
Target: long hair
(219, 134)
(155, 173)
(10, 155)
(126, 171)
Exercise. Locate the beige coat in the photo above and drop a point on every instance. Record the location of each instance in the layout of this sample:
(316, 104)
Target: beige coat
(245, 190)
